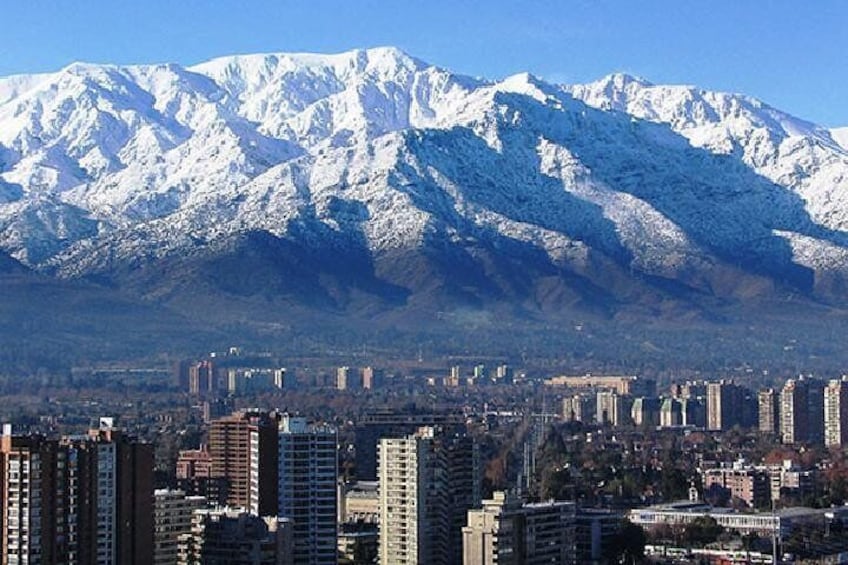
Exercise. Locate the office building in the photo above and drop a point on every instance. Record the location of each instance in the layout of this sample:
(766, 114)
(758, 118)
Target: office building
(243, 452)
(308, 472)
(596, 529)
(428, 481)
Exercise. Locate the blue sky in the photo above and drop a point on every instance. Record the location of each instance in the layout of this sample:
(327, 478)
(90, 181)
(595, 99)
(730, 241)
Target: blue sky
(791, 54)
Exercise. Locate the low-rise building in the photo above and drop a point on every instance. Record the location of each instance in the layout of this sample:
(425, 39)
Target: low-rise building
(235, 537)
(741, 483)
(781, 522)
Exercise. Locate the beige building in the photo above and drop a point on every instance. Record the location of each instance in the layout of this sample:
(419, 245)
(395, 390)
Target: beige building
(343, 379)
(506, 532)
(624, 385)
(768, 404)
(360, 502)
(747, 484)
(725, 405)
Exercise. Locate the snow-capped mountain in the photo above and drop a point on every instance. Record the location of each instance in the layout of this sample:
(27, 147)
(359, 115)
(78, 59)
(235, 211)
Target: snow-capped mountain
(840, 136)
(399, 179)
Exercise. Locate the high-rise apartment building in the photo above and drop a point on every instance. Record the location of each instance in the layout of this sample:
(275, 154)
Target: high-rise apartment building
(30, 513)
(344, 379)
(671, 414)
(802, 411)
(371, 378)
(428, 481)
(794, 425)
(384, 424)
(125, 476)
(82, 499)
(201, 378)
(645, 412)
(611, 408)
(578, 408)
(768, 402)
(815, 409)
(308, 474)
(836, 413)
(504, 374)
(243, 450)
(726, 406)
(172, 515)
(507, 532)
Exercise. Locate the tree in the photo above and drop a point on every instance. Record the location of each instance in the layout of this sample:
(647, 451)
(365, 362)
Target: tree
(703, 530)
(628, 545)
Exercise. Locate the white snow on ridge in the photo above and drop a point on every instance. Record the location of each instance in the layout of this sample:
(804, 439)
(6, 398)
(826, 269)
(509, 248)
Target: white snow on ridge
(150, 158)
(840, 136)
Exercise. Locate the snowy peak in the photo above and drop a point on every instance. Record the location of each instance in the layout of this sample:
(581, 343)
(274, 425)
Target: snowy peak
(377, 152)
(840, 136)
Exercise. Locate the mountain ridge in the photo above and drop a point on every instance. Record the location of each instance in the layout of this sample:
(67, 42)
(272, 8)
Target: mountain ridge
(370, 184)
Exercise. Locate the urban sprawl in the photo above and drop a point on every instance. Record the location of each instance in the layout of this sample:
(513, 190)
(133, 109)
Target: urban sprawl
(234, 459)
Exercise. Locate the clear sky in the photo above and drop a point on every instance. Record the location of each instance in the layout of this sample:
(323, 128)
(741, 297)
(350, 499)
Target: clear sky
(792, 54)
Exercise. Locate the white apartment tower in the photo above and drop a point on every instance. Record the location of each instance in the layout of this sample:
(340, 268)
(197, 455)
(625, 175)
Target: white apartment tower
(427, 482)
(836, 413)
(27, 470)
(308, 471)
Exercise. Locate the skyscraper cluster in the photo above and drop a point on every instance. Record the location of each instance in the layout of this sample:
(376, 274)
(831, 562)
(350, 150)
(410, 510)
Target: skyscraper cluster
(807, 410)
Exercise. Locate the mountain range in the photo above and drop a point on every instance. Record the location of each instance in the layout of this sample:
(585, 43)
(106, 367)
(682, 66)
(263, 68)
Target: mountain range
(376, 198)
